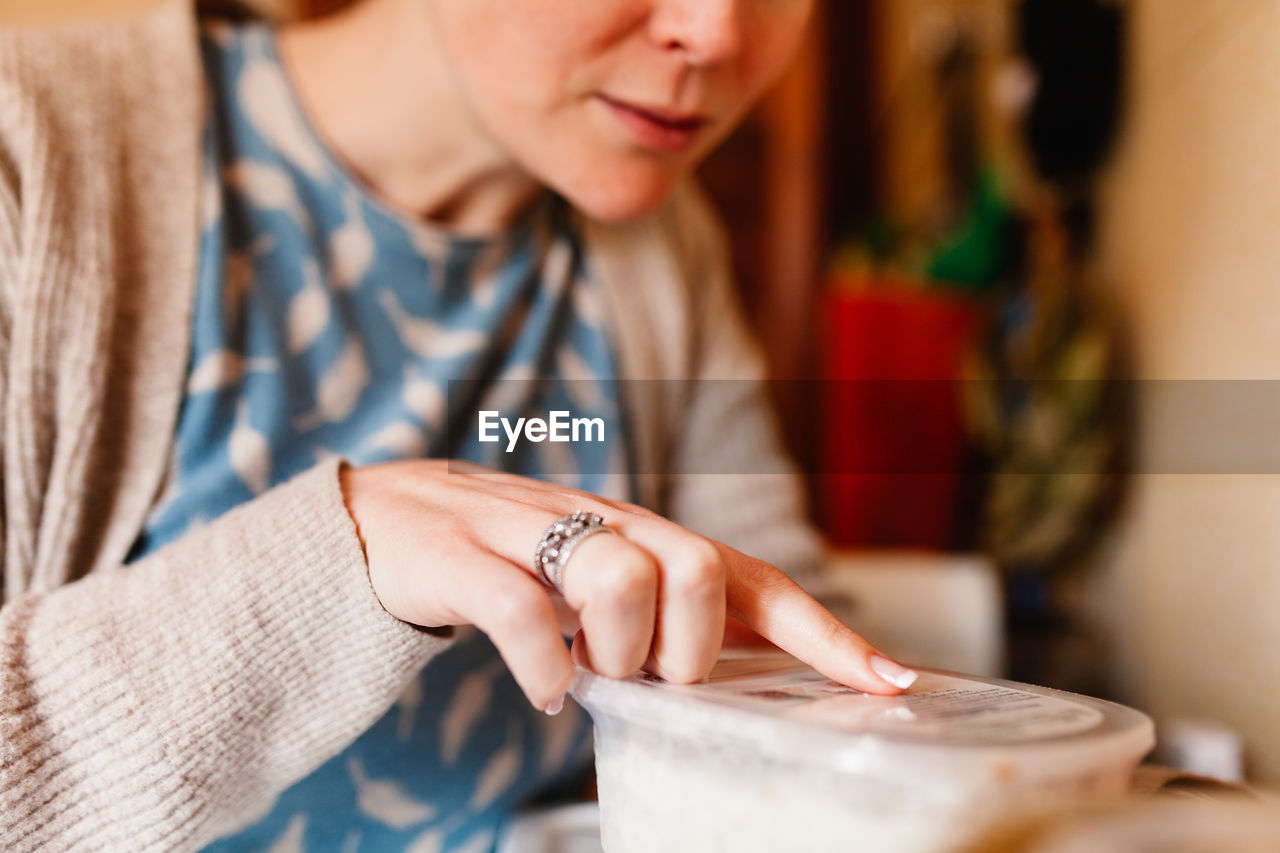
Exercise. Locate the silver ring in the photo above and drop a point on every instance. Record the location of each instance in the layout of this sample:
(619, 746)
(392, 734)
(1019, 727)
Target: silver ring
(558, 542)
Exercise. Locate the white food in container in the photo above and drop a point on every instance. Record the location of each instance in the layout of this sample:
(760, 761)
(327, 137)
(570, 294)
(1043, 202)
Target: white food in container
(770, 755)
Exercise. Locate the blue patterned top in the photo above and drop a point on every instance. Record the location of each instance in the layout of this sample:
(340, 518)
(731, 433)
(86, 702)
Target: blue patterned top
(327, 324)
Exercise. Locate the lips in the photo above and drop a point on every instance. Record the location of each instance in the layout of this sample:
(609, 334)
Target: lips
(657, 127)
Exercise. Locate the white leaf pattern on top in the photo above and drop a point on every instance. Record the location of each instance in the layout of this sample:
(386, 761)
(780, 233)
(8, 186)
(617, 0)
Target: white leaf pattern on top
(400, 439)
(250, 452)
(340, 388)
(290, 841)
(407, 707)
(470, 700)
(426, 338)
(210, 197)
(222, 368)
(422, 397)
(266, 187)
(351, 247)
(433, 840)
(507, 393)
(480, 842)
(385, 801)
(501, 770)
(430, 841)
(487, 275)
(308, 310)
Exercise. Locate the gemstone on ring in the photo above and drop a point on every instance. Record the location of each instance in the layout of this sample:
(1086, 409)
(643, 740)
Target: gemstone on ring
(558, 542)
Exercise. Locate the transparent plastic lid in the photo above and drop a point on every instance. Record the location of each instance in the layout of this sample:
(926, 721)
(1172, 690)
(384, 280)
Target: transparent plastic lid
(770, 704)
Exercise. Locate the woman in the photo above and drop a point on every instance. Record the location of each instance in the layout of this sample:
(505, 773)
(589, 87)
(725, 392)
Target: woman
(243, 331)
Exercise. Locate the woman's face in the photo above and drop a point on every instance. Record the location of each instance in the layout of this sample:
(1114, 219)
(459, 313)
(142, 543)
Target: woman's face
(610, 102)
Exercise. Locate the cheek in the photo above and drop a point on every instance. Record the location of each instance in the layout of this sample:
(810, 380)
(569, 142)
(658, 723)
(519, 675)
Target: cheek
(526, 68)
(497, 66)
(530, 54)
(771, 33)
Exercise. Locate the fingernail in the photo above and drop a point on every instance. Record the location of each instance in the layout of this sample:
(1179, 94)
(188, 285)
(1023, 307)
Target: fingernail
(894, 673)
(555, 706)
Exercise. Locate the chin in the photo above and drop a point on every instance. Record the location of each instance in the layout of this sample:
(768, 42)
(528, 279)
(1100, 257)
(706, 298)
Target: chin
(621, 195)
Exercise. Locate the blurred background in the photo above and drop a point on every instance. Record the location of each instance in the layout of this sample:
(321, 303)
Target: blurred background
(979, 234)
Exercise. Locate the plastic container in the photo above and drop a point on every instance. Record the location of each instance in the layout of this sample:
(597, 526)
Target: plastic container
(769, 755)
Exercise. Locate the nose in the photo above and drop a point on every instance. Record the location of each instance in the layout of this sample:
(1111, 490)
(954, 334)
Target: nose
(706, 32)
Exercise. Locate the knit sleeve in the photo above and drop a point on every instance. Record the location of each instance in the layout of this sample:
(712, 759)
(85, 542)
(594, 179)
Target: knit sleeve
(158, 705)
(10, 254)
(730, 477)
(154, 706)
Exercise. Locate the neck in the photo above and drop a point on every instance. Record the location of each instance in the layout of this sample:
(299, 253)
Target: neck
(377, 87)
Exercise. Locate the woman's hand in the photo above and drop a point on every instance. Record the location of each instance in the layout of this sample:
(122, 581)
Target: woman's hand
(449, 548)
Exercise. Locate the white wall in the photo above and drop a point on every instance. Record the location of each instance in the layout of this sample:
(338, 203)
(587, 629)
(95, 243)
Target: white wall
(1191, 593)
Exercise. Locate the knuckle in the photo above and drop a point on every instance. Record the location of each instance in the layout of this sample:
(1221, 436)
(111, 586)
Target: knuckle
(762, 575)
(517, 607)
(637, 510)
(627, 577)
(763, 581)
(568, 499)
(697, 572)
(601, 504)
(835, 633)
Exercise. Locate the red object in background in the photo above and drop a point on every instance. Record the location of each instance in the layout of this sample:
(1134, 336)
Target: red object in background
(893, 438)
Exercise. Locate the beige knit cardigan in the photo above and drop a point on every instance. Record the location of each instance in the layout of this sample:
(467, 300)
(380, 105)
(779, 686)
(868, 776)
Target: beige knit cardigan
(159, 705)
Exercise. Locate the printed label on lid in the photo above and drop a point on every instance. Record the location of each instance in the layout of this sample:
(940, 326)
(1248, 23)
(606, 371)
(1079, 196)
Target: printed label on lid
(939, 708)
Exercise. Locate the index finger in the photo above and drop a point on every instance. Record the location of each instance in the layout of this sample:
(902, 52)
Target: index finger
(774, 606)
